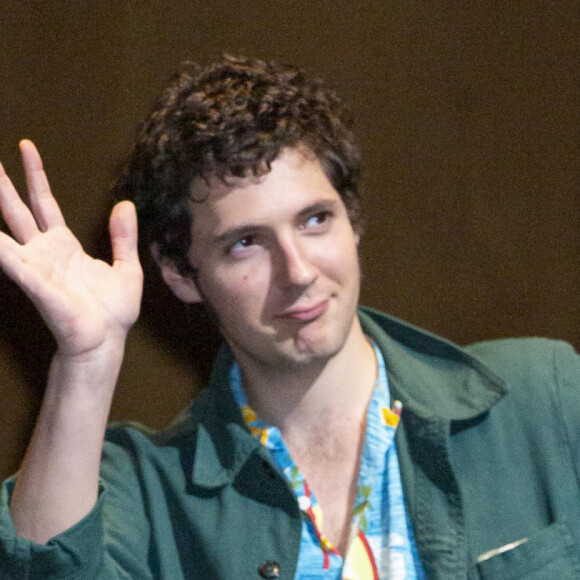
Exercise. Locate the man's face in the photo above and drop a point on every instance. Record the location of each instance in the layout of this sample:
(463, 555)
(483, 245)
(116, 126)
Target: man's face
(277, 261)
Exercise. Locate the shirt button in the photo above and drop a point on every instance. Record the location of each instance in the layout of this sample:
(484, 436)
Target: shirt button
(270, 569)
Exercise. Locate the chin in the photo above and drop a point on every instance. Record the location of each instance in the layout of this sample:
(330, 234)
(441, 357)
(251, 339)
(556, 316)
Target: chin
(319, 349)
(313, 344)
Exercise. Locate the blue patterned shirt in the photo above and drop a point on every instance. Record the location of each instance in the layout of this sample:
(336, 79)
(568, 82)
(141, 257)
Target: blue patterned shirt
(381, 542)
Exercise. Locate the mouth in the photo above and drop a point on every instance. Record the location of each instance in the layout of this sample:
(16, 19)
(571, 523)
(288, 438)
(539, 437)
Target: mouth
(306, 314)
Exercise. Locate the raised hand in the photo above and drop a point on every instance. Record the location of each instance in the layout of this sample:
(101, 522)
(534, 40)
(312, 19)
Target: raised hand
(85, 302)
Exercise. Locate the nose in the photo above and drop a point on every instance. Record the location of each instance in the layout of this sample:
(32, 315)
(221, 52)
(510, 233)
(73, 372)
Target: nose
(295, 268)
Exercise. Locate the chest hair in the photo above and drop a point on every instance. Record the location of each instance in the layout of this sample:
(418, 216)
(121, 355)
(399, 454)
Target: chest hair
(329, 458)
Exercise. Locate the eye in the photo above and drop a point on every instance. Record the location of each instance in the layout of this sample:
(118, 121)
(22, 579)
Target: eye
(317, 221)
(243, 246)
(245, 242)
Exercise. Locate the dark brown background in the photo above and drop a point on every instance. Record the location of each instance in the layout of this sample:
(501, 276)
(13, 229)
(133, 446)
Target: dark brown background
(468, 114)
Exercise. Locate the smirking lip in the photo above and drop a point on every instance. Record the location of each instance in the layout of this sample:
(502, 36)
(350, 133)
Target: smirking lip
(306, 314)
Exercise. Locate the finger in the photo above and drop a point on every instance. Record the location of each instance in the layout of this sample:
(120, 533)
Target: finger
(14, 211)
(44, 207)
(10, 260)
(123, 230)
(25, 271)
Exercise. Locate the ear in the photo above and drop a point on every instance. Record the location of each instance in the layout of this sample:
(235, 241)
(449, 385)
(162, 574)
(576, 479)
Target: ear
(182, 286)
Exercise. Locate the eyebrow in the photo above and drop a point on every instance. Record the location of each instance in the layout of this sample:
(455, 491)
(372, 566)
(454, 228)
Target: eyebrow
(326, 205)
(239, 232)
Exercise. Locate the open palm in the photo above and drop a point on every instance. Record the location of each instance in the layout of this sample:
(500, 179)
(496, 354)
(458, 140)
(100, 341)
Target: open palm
(85, 302)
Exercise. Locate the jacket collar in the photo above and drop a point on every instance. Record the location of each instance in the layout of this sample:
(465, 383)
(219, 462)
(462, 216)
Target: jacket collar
(433, 378)
(223, 443)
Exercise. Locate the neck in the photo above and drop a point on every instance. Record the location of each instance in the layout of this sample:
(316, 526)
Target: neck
(334, 391)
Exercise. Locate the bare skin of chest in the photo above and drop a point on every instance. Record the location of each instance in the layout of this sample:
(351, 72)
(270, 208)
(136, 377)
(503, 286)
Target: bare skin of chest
(330, 465)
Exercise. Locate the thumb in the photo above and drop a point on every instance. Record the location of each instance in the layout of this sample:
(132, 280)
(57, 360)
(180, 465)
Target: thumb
(123, 230)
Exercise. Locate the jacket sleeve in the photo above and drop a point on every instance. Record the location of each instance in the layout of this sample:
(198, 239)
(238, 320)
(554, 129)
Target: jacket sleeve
(567, 379)
(111, 542)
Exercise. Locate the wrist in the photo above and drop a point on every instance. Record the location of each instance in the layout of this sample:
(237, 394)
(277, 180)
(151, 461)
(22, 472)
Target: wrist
(95, 371)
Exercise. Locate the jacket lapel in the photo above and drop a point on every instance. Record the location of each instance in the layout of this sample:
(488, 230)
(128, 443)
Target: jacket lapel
(438, 383)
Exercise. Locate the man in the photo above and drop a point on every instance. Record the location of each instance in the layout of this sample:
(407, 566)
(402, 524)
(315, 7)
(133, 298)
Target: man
(293, 463)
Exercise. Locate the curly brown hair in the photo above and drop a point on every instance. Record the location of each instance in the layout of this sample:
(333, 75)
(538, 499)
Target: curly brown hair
(231, 119)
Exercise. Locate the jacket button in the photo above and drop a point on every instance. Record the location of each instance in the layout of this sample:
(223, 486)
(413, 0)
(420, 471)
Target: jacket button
(270, 569)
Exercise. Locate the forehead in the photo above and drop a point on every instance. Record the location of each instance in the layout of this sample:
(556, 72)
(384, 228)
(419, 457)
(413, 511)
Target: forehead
(295, 181)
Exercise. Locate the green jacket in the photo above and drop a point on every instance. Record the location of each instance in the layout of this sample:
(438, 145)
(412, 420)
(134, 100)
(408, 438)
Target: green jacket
(489, 449)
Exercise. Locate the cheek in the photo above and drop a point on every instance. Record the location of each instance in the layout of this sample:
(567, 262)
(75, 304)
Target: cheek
(339, 261)
(242, 290)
